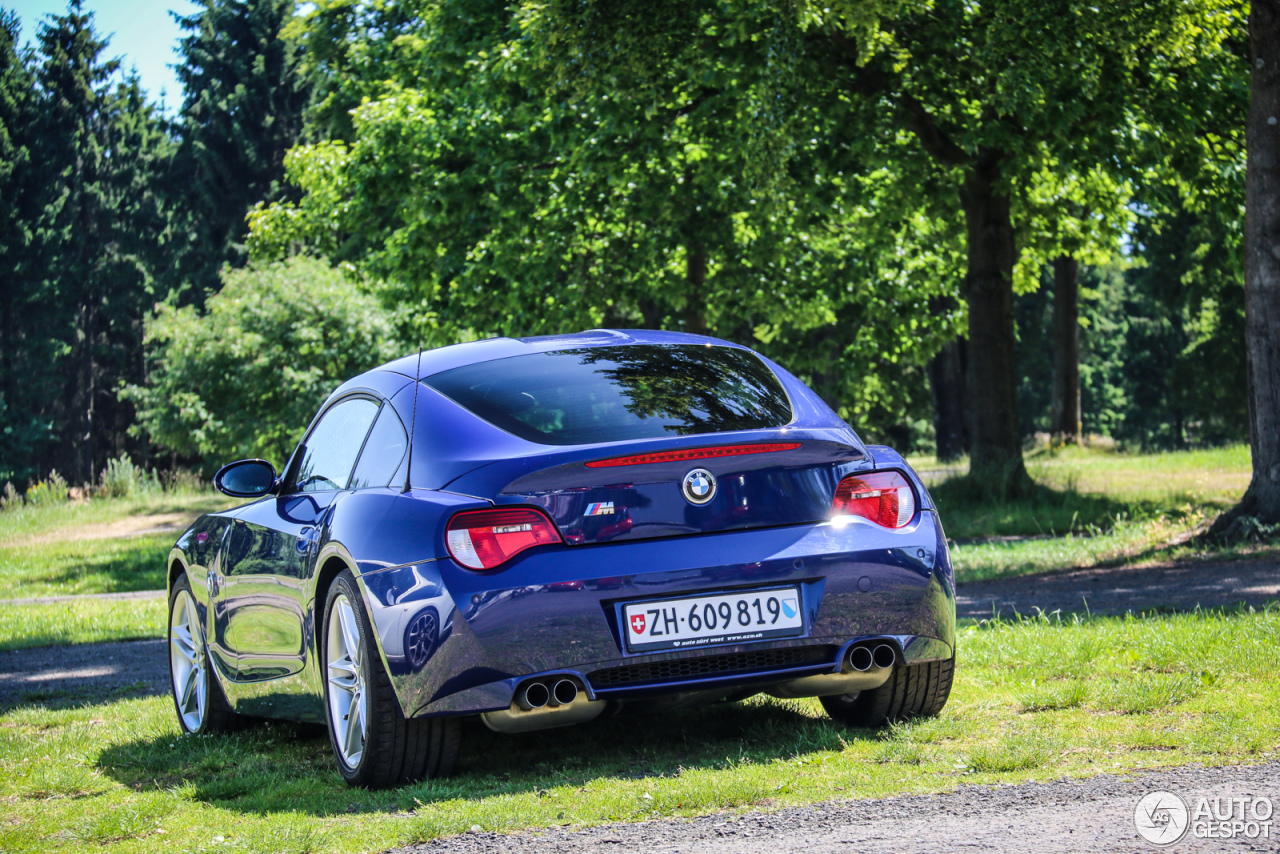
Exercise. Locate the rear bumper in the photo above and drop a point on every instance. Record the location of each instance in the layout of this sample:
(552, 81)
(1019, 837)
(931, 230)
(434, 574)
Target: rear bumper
(557, 610)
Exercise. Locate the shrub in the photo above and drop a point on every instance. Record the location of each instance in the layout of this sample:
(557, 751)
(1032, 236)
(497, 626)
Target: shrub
(243, 378)
(121, 479)
(52, 490)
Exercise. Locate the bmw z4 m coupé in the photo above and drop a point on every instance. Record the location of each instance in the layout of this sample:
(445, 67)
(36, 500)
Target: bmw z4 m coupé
(545, 530)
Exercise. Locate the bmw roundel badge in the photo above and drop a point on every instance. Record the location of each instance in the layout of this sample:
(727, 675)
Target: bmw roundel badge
(699, 486)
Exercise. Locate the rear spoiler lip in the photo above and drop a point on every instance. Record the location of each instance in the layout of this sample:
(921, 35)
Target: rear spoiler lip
(508, 475)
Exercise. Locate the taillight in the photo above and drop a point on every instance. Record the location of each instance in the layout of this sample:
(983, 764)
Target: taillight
(483, 539)
(884, 497)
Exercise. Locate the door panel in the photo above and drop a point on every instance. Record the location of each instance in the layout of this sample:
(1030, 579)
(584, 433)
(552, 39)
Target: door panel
(264, 596)
(260, 614)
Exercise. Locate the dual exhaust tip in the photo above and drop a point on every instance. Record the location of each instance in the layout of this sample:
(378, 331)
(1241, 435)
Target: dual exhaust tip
(537, 695)
(867, 657)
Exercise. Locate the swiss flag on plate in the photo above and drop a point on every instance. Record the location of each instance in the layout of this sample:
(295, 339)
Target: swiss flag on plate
(637, 623)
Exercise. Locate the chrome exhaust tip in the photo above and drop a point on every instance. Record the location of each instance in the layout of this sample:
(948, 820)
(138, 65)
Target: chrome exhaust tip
(535, 695)
(564, 692)
(861, 659)
(884, 655)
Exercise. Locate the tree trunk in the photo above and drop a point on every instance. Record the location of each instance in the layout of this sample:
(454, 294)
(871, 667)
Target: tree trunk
(995, 455)
(947, 381)
(1065, 418)
(1262, 270)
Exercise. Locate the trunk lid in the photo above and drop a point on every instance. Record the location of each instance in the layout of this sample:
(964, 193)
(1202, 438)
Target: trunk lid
(790, 483)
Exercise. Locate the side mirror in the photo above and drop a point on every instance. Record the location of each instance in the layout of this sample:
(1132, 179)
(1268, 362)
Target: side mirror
(246, 479)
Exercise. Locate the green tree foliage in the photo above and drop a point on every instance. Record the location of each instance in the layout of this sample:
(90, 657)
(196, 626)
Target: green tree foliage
(244, 97)
(703, 197)
(243, 377)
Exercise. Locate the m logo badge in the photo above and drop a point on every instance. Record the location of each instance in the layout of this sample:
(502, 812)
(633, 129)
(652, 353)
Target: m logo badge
(699, 486)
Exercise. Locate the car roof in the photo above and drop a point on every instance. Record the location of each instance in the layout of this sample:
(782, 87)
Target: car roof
(443, 359)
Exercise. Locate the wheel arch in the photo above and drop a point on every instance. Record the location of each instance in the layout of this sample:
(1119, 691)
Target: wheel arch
(332, 562)
(177, 568)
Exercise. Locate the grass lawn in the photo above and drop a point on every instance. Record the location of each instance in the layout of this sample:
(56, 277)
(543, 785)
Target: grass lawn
(25, 626)
(1034, 700)
(93, 547)
(90, 547)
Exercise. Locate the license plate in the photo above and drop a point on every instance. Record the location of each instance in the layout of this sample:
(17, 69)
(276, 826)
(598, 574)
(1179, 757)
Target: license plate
(704, 620)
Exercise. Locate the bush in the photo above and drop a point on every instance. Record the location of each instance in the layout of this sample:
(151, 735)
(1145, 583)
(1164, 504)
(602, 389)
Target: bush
(43, 493)
(243, 378)
(122, 479)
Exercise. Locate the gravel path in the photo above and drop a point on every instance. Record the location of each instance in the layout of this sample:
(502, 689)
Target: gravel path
(87, 671)
(1181, 586)
(1093, 815)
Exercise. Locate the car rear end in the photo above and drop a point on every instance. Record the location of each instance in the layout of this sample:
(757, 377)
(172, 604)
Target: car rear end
(673, 520)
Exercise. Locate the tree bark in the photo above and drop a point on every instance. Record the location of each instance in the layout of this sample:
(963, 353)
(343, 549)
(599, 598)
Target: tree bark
(1262, 270)
(995, 455)
(695, 304)
(1065, 417)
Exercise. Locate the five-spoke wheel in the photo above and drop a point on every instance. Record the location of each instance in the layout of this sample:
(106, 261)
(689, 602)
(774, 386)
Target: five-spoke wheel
(348, 699)
(374, 744)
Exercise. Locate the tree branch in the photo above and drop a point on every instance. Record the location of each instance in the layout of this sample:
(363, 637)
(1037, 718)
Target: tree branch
(873, 81)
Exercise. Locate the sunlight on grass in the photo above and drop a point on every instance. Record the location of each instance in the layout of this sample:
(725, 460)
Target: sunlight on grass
(24, 626)
(1034, 700)
(62, 568)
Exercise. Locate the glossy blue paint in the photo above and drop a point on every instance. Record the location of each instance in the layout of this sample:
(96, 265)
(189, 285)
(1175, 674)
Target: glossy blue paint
(456, 641)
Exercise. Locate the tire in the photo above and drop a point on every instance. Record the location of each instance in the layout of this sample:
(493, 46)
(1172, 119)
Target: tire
(374, 745)
(913, 691)
(198, 699)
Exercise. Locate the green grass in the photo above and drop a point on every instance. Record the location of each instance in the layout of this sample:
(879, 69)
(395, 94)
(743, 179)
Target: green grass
(1034, 700)
(21, 524)
(44, 552)
(24, 626)
(72, 567)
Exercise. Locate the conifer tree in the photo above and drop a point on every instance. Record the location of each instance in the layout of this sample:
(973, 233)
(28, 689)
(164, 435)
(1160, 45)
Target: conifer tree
(21, 430)
(244, 98)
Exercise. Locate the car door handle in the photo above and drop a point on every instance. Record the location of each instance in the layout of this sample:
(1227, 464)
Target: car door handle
(213, 583)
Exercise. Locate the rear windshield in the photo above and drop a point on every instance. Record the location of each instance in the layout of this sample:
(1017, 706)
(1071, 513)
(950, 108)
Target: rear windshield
(610, 394)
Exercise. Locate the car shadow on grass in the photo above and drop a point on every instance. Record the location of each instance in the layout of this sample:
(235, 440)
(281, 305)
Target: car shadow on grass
(274, 766)
(973, 513)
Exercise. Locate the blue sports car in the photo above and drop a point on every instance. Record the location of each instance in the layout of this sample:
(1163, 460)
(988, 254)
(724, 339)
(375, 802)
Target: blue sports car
(544, 530)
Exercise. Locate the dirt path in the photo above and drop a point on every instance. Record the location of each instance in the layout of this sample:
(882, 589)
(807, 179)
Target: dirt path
(140, 525)
(1091, 815)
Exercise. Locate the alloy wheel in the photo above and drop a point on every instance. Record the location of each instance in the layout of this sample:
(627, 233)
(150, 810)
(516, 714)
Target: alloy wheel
(348, 701)
(188, 662)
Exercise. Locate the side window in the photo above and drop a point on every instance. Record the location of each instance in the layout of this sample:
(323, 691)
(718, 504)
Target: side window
(383, 452)
(333, 445)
